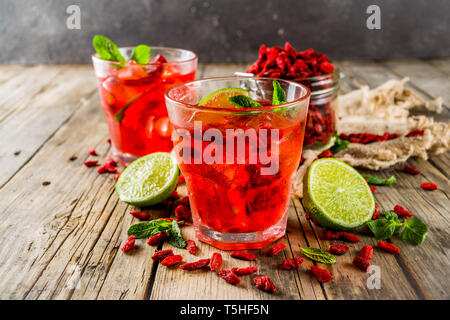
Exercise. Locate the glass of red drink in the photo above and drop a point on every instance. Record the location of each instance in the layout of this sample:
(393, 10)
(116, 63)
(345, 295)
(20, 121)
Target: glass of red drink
(132, 97)
(238, 162)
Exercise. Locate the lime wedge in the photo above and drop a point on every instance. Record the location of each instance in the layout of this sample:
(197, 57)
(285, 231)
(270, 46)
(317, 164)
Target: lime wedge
(148, 180)
(219, 98)
(336, 195)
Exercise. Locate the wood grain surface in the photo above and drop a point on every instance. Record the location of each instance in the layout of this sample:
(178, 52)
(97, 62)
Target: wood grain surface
(62, 240)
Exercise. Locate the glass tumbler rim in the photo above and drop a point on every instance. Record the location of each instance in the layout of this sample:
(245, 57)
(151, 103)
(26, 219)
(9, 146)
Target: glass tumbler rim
(194, 57)
(304, 97)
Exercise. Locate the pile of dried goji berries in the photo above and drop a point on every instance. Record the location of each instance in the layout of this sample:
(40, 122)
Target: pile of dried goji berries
(287, 63)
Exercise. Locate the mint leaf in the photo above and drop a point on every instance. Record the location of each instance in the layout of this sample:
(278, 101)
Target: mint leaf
(379, 181)
(141, 54)
(150, 228)
(319, 255)
(385, 228)
(278, 97)
(415, 231)
(241, 101)
(339, 144)
(106, 49)
(175, 237)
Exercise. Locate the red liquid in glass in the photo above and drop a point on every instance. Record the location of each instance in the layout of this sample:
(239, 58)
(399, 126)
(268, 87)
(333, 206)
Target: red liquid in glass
(133, 101)
(236, 198)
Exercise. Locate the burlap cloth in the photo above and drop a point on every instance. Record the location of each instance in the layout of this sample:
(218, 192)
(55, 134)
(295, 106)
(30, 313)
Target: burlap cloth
(377, 111)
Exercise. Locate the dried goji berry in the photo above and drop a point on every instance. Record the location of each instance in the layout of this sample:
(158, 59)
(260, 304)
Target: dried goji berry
(106, 168)
(174, 195)
(415, 133)
(388, 247)
(264, 283)
(244, 271)
(182, 213)
(162, 254)
(108, 140)
(195, 265)
(156, 239)
(92, 152)
(91, 163)
(291, 264)
(229, 277)
(181, 180)
(184, 201)
(361, 263)
(307, 216)
(322, 275)
(350, 237)
(333, 235)
(376, 212)
(273, 250)
(373, 188)
(366, 252)
(216, 261)
(402, 212)
(338, 249)
(429, 186)
(411, 170)
(117, 176)
(111, 162)
(129, 244)
(243, 255)
(191, 247)
(172, 260)
(140, 215)
(325, 154)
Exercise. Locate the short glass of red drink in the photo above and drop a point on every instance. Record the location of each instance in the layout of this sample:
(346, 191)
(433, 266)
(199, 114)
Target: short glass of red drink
(132, 97)
(238, 162)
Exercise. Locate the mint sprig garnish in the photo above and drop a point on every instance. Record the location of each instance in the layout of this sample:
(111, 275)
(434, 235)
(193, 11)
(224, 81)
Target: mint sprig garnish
(278, 97)
(414, 230)
(141, 54)
(245, 102)
(106, 49)
(379, 181)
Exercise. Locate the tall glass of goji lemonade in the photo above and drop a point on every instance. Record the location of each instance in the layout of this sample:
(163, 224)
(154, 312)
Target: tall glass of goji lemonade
(132, 97)
(238, 161)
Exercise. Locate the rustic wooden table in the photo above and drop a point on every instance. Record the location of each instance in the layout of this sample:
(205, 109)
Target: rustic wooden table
(62, 240)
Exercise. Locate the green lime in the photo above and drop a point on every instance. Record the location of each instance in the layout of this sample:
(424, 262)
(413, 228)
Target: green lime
(336, 195)
(219, 98)
(148, 180)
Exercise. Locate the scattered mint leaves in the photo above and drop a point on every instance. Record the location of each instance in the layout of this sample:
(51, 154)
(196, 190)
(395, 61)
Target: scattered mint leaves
(278, 97)
(339, 144)
(319, 255)
(106, 49)
(415, 231)
(141, 54)
(175, 237)
(241, 101)
(149, 228)
(379, 181)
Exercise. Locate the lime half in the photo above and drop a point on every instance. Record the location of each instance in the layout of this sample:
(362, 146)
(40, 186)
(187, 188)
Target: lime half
(336, 195)
(219, 98)
(148, 180)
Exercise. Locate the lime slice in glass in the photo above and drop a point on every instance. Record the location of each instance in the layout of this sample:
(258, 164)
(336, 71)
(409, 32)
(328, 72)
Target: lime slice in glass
(219, 98)
(148, 180)
(336, 195)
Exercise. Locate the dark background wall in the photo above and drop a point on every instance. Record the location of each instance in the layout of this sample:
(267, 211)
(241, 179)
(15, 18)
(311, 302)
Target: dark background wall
(35, 31)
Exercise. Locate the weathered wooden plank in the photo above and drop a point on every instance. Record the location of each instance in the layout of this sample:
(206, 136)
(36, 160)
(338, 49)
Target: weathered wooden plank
(424, 76)
(442, 64)
(433, 206)
(40, 100)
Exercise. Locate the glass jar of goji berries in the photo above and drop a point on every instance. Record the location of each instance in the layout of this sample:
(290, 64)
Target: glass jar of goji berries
(321, 121)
